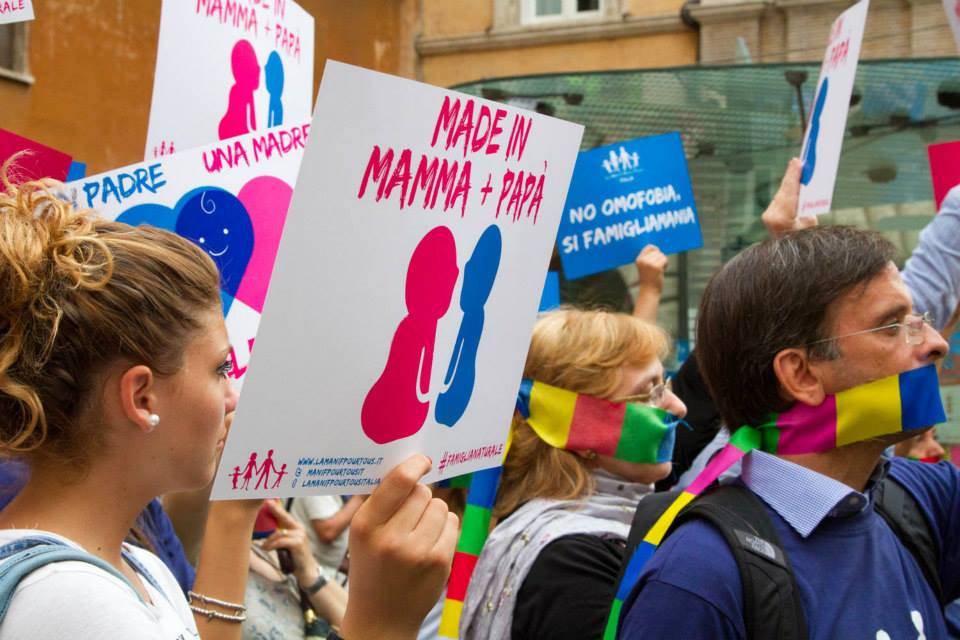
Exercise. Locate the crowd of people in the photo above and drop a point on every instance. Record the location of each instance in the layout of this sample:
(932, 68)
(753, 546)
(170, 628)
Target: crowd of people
(686, 508)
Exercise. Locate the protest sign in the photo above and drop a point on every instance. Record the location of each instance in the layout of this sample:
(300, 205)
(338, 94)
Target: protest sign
(827, 123)
(623, 197)
(229, 198)
(952, 7)
(227, 68)
(405, 289)
(944, 168)
(550, 299)
(15, 11)
(40, 161)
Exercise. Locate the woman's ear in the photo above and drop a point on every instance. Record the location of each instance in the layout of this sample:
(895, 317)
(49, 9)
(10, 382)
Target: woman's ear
(138, 397)
(799, 380)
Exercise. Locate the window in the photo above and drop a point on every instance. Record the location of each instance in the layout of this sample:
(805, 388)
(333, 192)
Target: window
(535, 11)
(13, 52)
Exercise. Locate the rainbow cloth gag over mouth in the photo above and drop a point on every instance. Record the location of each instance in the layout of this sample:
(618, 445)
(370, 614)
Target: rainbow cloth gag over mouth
(629, 431)
(900, 403)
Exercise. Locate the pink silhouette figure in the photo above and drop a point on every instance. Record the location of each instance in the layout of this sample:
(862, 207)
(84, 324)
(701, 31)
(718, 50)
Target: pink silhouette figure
(956, 8)
(265, 470)
(236, 476)
(266, 200)
(241, 116)
(280, 473)
(248, 471)
(395, 407)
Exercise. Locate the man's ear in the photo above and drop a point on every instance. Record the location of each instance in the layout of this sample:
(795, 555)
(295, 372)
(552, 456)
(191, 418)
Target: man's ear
(138, 396)
(798, 379)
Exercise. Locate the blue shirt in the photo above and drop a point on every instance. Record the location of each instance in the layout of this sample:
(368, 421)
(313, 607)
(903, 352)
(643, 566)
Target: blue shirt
(855, 578)
(933, 270)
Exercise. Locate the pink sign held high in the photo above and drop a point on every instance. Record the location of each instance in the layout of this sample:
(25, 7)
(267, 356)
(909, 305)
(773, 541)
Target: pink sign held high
(944, 168)
(40, 161)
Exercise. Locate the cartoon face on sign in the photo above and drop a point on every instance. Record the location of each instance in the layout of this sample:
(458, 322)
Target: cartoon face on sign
(217, 222)
(396, 406)
(241, 233)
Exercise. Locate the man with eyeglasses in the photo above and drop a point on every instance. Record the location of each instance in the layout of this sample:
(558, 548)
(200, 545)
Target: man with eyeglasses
(794, 321)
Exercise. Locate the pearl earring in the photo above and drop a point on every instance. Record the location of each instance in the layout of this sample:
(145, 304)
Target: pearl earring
(153, 420)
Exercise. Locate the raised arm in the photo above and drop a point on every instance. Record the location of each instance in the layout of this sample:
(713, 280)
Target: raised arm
(651, 265)
(932, 272)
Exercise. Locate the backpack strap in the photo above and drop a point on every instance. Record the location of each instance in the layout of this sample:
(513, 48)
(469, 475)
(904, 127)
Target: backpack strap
(22, 563)
(903, 514)
(771, 598)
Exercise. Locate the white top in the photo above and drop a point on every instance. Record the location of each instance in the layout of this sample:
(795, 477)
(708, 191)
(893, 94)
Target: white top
(308, 508)
(80, 601)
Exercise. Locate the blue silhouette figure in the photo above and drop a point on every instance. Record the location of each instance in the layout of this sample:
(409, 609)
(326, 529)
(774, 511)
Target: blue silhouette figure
(478, 277)
(273, 71)
(217, 222)
(810, 153)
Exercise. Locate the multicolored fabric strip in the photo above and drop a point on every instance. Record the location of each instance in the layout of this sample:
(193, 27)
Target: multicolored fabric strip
(904, 402)
(473, 535)
(628, 431)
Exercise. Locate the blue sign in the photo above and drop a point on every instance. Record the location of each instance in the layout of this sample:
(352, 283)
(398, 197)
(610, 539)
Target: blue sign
(623, 197)
(550, 299)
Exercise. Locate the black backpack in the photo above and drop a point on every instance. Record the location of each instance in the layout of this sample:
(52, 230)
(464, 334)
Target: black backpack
(771, 599)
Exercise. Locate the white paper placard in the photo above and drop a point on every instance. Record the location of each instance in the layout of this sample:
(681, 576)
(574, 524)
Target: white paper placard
(405, 289)
(15, 11)
(227, 68)
(229, 198)
(827, 122)
(952, 7)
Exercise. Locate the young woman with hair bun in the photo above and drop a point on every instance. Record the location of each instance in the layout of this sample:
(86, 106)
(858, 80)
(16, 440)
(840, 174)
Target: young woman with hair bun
(113, 363)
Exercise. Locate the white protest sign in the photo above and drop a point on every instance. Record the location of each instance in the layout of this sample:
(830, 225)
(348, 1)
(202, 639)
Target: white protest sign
(405, 289)
(229, 198)
(827, 124)
(15, 11)
(226, 68)
(952, 7)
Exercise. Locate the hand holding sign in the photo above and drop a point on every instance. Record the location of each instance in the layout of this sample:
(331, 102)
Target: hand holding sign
(781, 216)
(401, 542)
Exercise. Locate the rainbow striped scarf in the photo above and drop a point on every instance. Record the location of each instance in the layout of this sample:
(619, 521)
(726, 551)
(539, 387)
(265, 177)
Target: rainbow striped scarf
(904, 402)
(473, 535)
(566, 420)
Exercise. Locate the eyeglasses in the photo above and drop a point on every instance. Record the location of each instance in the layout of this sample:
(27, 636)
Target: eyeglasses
(911, 328)
(654, 397)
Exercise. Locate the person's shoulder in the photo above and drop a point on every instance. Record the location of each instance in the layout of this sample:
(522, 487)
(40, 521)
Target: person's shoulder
(582, 555)
(695, 557)
(317, 507)
(930, 484)
(690, 588)
(77, 600)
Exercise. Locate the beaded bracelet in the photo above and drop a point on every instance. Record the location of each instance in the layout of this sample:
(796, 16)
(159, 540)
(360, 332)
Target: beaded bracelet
(220, 603)
(216, 615)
